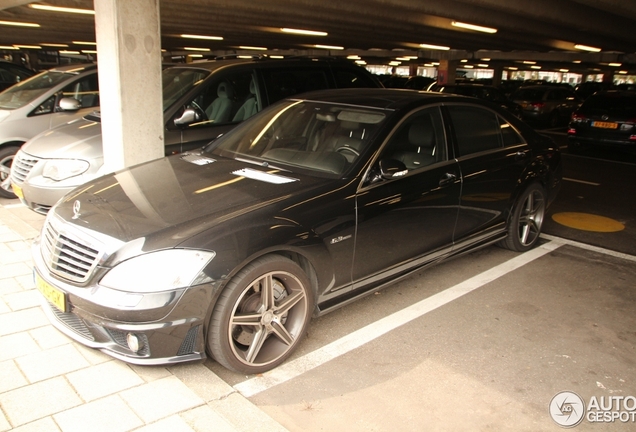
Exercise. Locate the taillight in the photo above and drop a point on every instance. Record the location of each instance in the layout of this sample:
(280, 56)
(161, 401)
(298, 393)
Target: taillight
(571, 131)
(578, 117)
(537, 105)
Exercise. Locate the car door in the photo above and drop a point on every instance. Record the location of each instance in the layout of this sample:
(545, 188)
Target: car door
(491, 157)
(409, 220)
(220, 106)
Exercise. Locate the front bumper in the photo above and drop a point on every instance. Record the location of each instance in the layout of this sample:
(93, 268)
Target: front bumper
(168, 326)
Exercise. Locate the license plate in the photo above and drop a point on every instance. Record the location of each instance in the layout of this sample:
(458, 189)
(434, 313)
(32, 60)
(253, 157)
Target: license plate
(17, 190)
(52, 294)
(605, 125)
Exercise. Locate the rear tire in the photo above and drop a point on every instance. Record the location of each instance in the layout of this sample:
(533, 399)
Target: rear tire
(526, 221)
(261, 316)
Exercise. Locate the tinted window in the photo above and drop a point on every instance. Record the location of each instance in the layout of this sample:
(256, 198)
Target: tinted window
(281, 83)
(419, 141)
(476, 129)
(227, 98)
(178, 81)
(529, 94)
(509, 134)
(24, 92)
(611, 102)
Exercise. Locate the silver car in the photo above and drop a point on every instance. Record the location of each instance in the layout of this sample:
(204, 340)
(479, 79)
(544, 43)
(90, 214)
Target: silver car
(42, 102)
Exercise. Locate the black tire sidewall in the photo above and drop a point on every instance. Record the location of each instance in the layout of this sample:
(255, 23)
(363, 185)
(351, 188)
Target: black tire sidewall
(512, 241)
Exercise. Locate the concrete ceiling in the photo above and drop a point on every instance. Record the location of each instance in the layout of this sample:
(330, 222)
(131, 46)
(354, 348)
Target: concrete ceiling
(540, 30)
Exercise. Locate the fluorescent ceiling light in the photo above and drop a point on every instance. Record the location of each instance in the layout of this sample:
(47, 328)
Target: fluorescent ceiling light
(56, 45)
(353, 57)
(196, 49)
(62, 9)
(564, 70)
(19, 24)
(28, 46)
(69, 52)
(463, 61)
(435, 47)
(586, 48)
(277, 56)
(403, 58)
(482, 65)
(395, 63)
(615, 64)
(474, 27)
(529, 62)
(84, 43)
(304, 32)
(485, 59)
(513, 68)
(576, 61)
(535, 67)
(191, 36)
(331, 47)
(361, 62)
(622, 72)
(253, 48)
(195, 55)
(89, 52)
(468, 67)
(3, 47)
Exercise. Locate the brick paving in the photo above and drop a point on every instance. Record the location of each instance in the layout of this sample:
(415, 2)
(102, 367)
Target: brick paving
(48, 382)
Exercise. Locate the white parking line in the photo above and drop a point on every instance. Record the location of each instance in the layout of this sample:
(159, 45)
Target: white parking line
(590, 247)
(372, 331)
(581, 181)
(10, 206)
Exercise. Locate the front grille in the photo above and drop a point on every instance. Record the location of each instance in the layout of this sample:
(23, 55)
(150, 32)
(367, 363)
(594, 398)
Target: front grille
(73, 322)
(21, 167)
(66, 257)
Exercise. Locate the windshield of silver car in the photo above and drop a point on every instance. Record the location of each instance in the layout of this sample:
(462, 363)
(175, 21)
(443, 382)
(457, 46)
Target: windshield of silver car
(26, 91)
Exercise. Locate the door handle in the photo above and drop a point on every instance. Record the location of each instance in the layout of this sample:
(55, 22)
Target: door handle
(447, 178)
(520, 155)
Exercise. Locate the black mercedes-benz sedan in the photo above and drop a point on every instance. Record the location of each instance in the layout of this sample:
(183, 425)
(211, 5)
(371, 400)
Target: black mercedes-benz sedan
(229, 251)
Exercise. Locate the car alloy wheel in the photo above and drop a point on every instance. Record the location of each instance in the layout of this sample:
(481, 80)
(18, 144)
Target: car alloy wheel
(261, 315)
(6, 159)
(524, 227)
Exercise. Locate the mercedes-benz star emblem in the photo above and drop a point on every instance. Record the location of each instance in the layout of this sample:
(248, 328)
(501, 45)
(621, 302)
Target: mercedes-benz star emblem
(76, 209)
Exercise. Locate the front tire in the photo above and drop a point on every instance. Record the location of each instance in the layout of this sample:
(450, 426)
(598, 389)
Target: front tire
(261, 315)
(7, 154)
(526, 221)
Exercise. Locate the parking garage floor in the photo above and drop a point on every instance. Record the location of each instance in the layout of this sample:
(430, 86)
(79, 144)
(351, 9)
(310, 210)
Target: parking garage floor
(487, 341)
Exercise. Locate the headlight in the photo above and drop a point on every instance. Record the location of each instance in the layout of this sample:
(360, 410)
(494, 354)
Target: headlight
(159, 271)
(61, 169)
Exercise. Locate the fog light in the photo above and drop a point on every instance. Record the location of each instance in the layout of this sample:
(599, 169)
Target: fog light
(134, 343)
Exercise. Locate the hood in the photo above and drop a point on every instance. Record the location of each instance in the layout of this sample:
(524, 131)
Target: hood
(78, 139)
(4, 114)
(177, 197)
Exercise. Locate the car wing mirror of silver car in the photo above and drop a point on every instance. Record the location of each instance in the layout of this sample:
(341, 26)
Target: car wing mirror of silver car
(69, 104)
(189, 116)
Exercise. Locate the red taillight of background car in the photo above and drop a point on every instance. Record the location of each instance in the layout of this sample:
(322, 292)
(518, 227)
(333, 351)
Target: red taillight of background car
(577, 117)
(537, 105)
(571, 131)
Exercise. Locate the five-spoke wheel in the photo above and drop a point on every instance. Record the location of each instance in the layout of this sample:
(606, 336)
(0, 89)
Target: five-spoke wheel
(526, 221)
(261, 315)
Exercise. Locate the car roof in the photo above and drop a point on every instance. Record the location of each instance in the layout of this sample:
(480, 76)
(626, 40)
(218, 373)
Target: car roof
(224, 62)
(386, 98)
(75, 68)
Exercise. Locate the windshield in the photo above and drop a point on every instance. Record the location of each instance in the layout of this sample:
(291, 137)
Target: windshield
(320, 137)
(177, 81)
(26, 91)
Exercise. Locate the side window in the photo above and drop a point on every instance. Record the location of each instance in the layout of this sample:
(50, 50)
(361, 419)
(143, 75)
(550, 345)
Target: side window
(85, 90)
(282, 83)
(510, 136)
(419, 141)
(476, 129)
(229, 98)
(346, 78)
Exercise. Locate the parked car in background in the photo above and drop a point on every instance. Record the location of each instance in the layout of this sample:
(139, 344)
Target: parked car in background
(606, 118)
(42, 102)
(588, 88)
(481, 91)
(418, 82)
(200, 101)
(323, 198)
(11, 73)
(546, 104)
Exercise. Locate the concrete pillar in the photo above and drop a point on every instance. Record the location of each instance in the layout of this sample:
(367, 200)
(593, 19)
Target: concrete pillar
(497, 74)
(129, 65)
(446, 71)
(413, 70)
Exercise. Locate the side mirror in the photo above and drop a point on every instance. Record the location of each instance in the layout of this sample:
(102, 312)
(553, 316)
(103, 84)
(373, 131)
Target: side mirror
(69, 104)
(391, 169)
(189, 116)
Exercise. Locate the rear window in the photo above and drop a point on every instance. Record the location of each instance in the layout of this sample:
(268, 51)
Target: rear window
(281, 83)
(529, 94)
(611, 102)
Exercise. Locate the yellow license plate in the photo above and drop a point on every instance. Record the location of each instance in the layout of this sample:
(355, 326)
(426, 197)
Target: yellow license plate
(605, 125)
(17, 190)
(52, 294)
